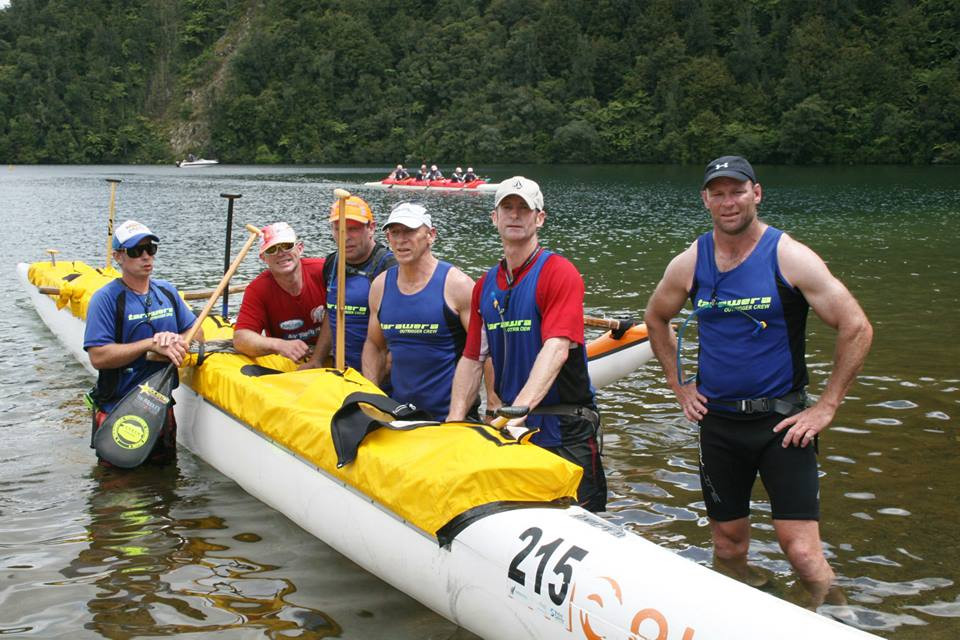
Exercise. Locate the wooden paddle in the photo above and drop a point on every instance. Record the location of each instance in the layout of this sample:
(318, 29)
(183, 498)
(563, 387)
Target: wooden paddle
(113, 198)
(128, 434)
(604, 323)
(340, 360)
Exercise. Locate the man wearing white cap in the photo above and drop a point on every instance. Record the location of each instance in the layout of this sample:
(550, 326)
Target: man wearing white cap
(282, 307)
(527, 315)
(419, 310)
(129, 317)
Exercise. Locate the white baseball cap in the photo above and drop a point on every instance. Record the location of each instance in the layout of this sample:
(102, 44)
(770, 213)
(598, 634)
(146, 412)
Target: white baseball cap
(410, 215)
(130, 233)
(523, 187)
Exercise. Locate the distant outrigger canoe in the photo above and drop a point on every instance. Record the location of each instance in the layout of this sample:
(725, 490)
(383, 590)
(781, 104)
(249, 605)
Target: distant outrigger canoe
(412, 184)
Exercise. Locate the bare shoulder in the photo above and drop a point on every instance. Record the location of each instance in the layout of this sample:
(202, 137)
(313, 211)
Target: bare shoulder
(458, 278)
(680, 269)
(800, 265)
(458, 289)
(376, 289)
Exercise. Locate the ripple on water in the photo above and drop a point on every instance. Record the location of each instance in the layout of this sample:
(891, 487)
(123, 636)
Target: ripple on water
(896, 404)
(940, 609)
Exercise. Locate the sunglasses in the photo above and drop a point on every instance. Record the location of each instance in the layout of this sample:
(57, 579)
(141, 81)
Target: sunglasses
(137, 251)
(283, 247)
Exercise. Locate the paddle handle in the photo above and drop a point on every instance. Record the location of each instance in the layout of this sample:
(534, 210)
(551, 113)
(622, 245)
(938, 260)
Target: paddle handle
(254, 234)
(113, 199)
(340, 360)
(604, 323)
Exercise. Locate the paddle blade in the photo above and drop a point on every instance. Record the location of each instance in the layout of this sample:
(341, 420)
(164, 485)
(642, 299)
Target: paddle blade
(128, 434)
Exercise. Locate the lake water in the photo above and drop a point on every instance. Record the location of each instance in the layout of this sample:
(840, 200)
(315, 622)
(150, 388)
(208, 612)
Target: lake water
(86, 553)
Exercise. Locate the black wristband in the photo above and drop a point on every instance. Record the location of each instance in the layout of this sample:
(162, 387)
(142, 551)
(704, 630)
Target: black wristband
(490, 413)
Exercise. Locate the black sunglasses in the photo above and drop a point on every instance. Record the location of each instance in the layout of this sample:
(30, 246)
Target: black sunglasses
(137, 251)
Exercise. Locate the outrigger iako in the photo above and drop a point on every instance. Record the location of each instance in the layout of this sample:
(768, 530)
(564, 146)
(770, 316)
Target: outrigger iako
(471, 523)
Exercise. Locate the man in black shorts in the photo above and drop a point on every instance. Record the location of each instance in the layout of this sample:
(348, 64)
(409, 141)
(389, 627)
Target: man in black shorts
(751, 286)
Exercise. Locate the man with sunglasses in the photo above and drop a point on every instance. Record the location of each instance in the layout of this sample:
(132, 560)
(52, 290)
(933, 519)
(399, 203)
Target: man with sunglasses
(526, 314)
(129, 317)
(751, 287)
(282, 307)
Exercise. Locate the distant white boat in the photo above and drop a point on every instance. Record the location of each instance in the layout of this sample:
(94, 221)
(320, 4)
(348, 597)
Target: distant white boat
(199, 162)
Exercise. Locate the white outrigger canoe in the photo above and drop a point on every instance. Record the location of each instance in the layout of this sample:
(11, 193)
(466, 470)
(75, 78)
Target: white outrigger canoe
(509, 569)
(193, 164)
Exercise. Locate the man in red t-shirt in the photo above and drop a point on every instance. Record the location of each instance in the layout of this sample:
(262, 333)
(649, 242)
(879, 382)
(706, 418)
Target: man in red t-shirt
(283, 307)
(526, 315)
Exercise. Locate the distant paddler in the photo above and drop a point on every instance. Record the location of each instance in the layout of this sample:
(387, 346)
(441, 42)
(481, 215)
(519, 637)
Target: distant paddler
(283, 307)
(129, 317)
(527, 315)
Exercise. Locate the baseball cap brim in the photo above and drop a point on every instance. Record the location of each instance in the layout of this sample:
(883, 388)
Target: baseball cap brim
(726, 173)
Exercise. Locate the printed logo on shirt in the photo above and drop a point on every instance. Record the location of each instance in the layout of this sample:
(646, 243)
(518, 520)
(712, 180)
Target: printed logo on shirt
(156, 314)
(740, 304)
(511, 326)
(418, 328)
(291, 325)
(348, 309)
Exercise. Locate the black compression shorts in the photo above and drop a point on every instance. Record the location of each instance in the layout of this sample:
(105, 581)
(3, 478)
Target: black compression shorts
(585, 452)
(733, 449)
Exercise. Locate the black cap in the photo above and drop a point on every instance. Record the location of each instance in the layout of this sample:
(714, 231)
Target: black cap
(728, 167)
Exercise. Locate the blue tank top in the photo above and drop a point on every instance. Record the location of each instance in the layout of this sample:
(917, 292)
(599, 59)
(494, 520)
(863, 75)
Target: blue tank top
(511, 320)
(425, 338)
(737, 359)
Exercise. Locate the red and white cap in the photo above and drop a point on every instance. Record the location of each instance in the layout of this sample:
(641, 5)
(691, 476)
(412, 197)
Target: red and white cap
(275, 234)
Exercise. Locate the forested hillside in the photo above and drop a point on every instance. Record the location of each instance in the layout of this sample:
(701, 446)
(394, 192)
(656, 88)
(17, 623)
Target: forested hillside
(480, 81)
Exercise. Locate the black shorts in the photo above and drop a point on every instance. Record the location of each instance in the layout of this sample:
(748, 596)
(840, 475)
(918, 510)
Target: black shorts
(585, 453)
(733, 449)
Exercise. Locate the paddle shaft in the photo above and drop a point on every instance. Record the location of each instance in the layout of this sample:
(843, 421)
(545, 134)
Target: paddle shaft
(226, 251)
(340, 360)
(254, 234)
(113, 199)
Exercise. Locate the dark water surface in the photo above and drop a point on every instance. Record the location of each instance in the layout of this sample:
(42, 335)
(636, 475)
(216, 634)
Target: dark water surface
(86, 553)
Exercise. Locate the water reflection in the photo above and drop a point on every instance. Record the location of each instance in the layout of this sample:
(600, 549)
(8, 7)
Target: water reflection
(157, 574)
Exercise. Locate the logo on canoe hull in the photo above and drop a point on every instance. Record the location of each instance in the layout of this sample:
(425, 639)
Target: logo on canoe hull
(130, 432)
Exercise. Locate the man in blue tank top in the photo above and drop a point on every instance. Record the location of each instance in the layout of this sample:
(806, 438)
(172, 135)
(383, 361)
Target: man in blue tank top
(365, 259)
(527, 316)
(751, 286)
(130, 317)
(419, 310)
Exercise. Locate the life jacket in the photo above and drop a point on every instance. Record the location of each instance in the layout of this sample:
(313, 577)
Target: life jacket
(380, 260)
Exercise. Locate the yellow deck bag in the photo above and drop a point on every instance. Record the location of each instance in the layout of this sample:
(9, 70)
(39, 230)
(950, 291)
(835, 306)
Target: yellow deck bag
(428, 476)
